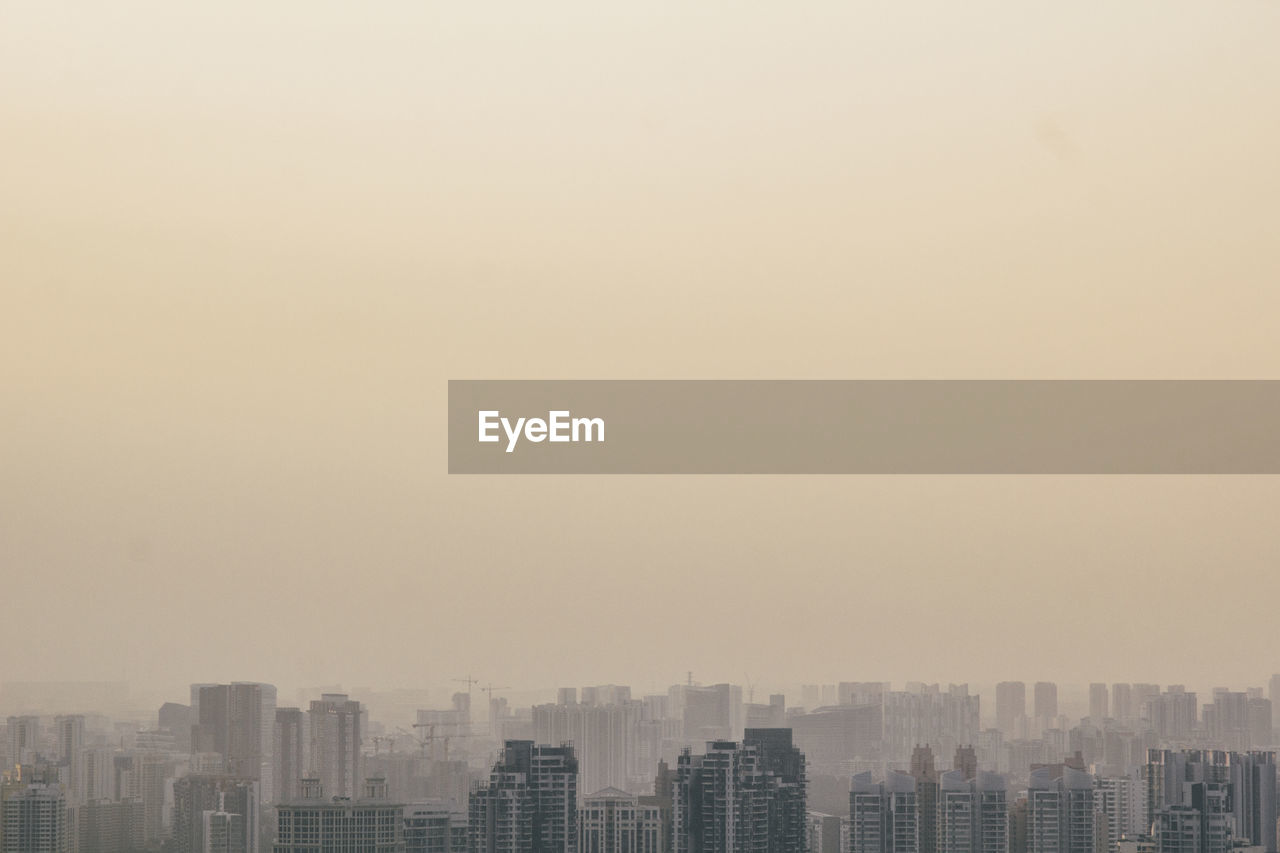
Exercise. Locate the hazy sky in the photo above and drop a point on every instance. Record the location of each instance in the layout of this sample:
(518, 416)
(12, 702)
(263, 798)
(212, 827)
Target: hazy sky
(243, 246)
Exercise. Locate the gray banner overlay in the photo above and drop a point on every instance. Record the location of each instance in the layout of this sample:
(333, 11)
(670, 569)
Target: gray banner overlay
(865, 427)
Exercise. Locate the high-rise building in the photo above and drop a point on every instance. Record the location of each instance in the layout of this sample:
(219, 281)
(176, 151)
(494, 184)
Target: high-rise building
(107, 826)
(884, 817)
(222, 832)
(1173, 714)
(69, 734)
(530, 804)
(289, 753)
(317, 823)
(1061, 817)
(786, 784)
(196, 797)
(966, 761)
(972, 813)
(1046, 700)
(1122, 806)
(1141, 693)
(1233, 794)
(237, 721)
(926, 776)
(95, 777)
(1011, 705)
(1122, 701)
(145, 774)
(710, 713)
(832, 737)
(175, 718)
(335, 755)
(604, 737)
(928, 714)
(613, 821)
(1178, 829)
(24, 739)
(1098, 702)
(1226, 720)
(748, 798)
(825, 833)
(35, 820)
(663, 799)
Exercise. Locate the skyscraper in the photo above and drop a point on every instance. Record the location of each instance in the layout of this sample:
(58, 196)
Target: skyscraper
(884, 817)
(288, 753)
(1122, 702)
(1230, 795)
(711, 713)
(1172, 714)
(1122, 805)
(236, 721)
(1060, 811)
(747, 798)
(530, 804)
(24, 739)
(196, 797)
(966, 761)
(1011, 705)
(106, 826)
(69, 729)
(35, 820)
(335, 755)
(928, 714)
(973, 813)
(1046, 700)
(176, 719)
(1098, 702)
(926, 775)
(786, 787)
(604, 737)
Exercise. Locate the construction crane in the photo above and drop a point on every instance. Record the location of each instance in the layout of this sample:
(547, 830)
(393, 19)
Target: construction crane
(469, 681)
(378, 740)
(429, 739)
(493, 723)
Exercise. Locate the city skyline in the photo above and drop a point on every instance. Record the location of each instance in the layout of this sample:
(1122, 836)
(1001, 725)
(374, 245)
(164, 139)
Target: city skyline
(883, 767)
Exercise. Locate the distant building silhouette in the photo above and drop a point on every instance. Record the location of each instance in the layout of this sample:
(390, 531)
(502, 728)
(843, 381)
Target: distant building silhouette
(290, 734)
(237, 721)
(336, 757)
(1011, 705)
